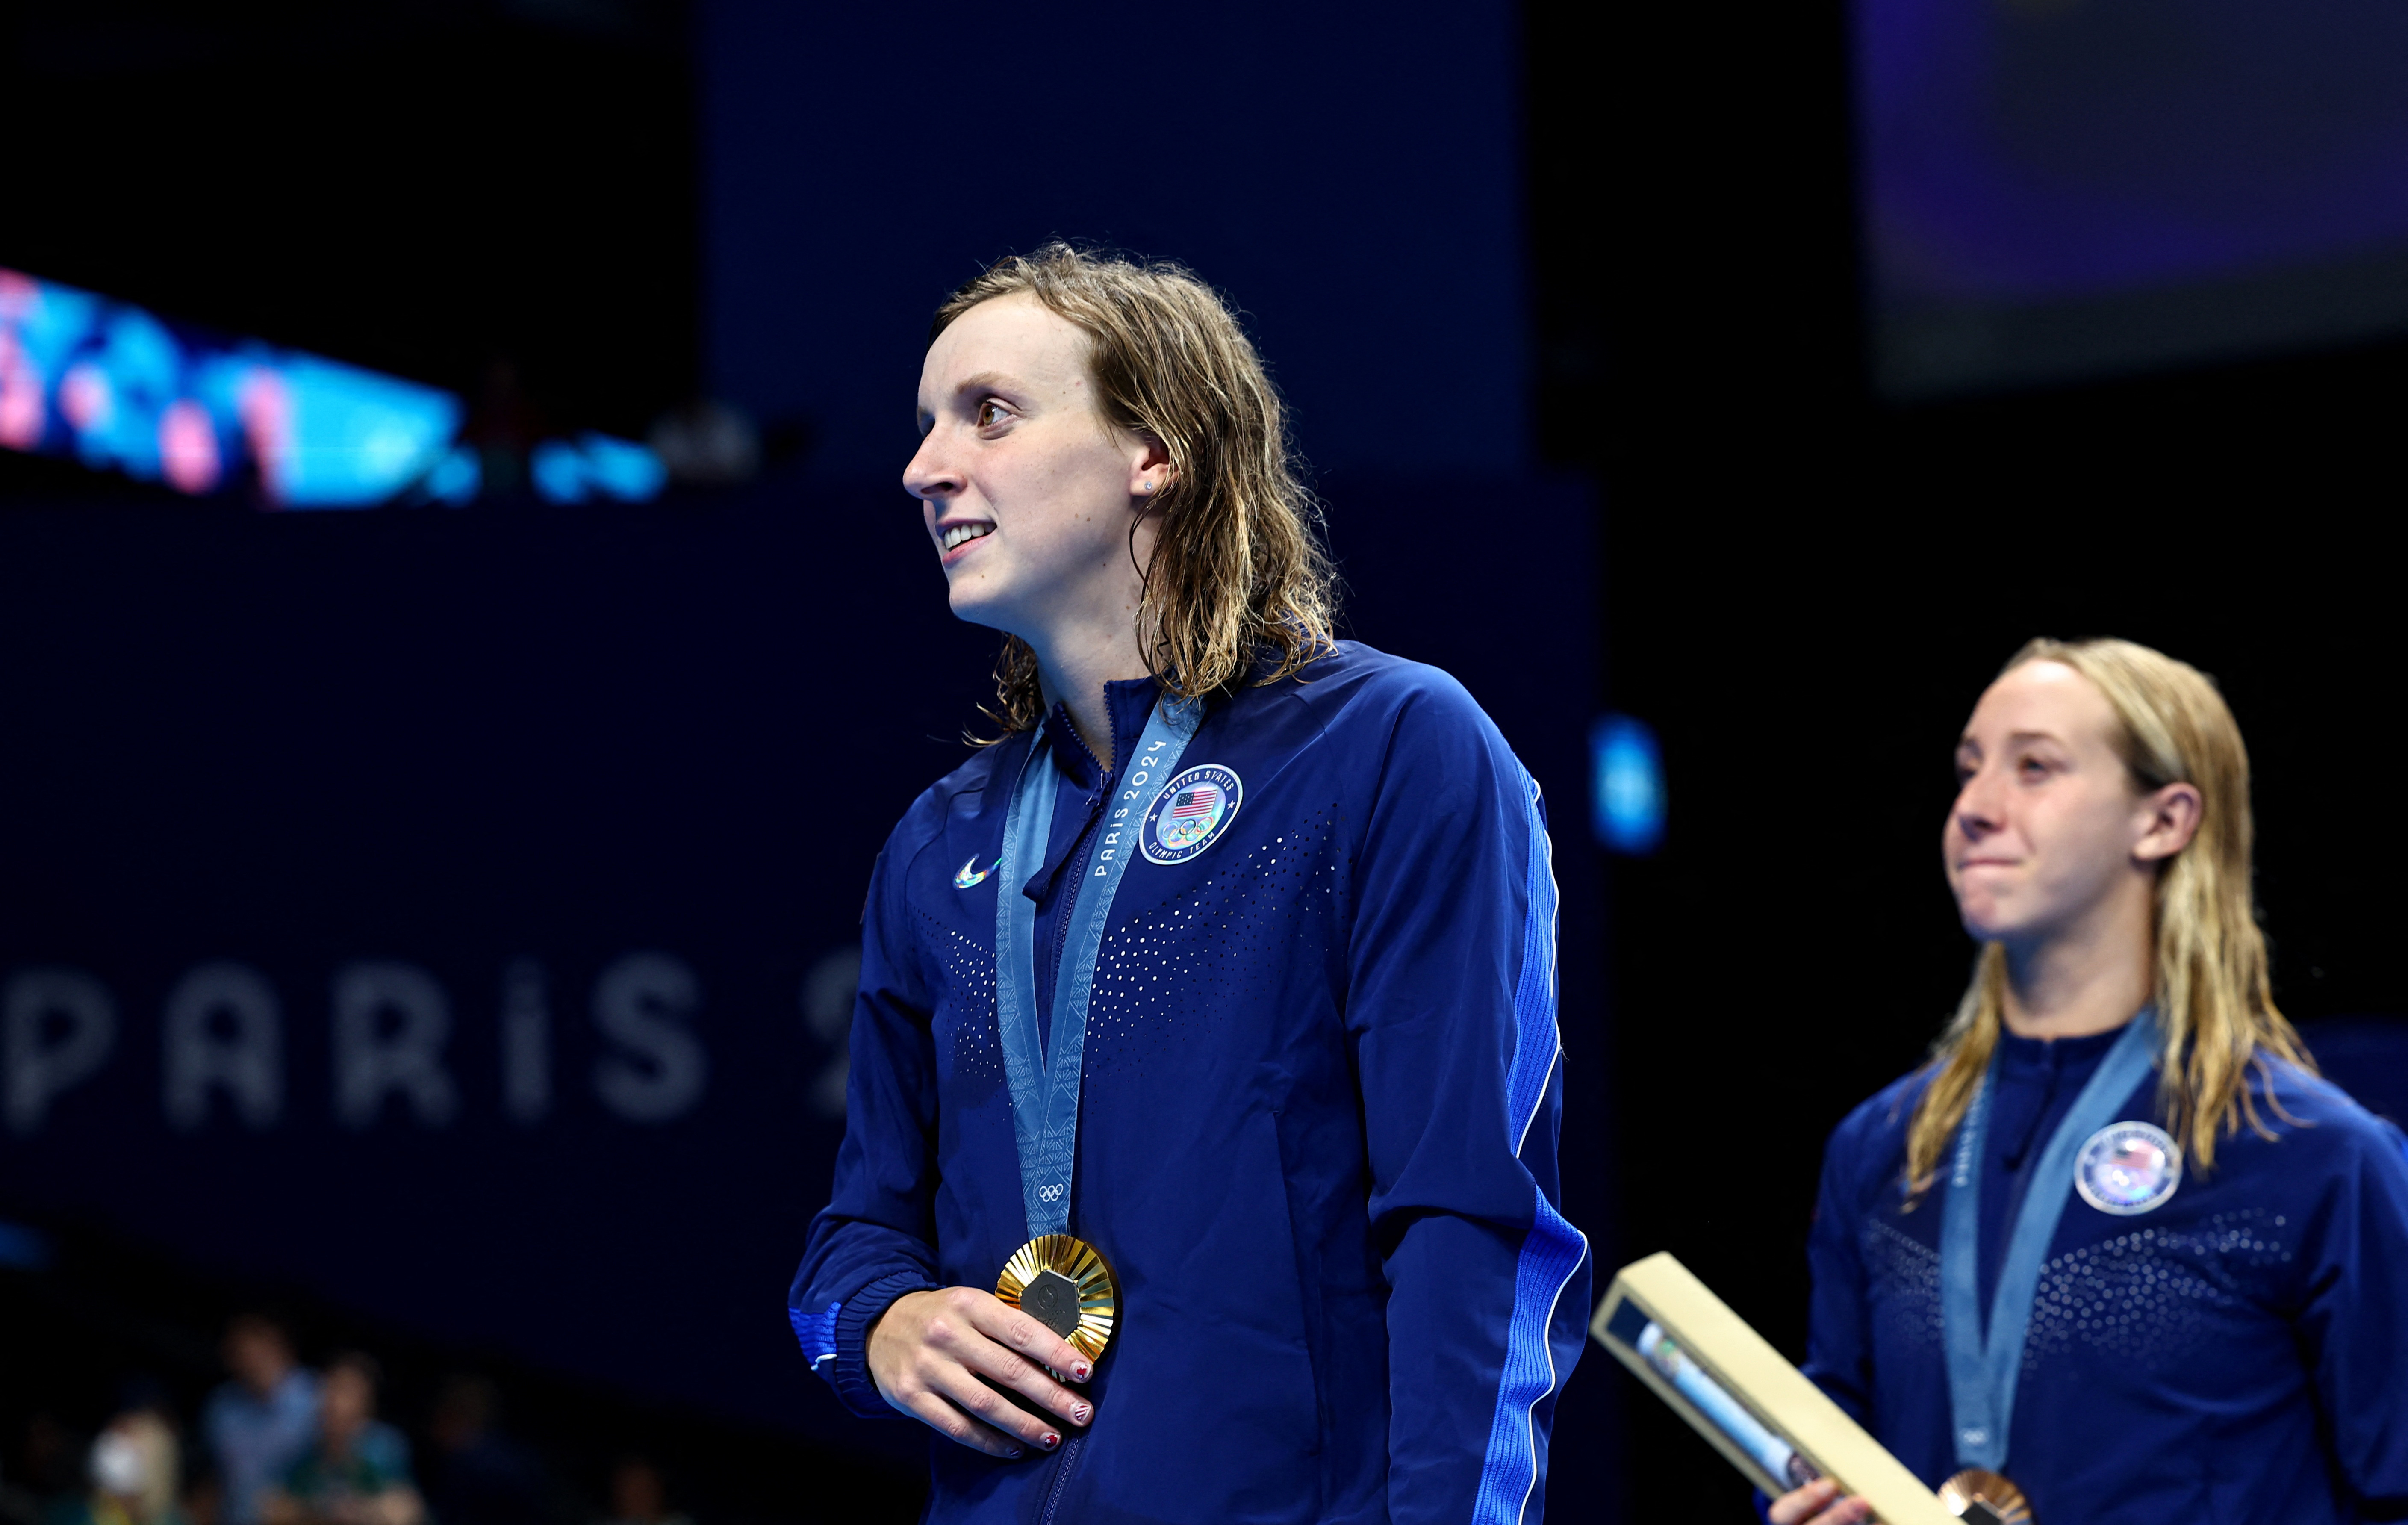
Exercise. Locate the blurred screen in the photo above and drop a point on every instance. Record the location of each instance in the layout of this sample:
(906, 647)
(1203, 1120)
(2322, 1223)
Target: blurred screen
(2063, 188)
(107, 383)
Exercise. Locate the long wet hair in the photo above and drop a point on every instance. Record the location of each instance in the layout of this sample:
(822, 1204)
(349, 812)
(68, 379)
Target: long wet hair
(2217, 1021)
(1239, 589)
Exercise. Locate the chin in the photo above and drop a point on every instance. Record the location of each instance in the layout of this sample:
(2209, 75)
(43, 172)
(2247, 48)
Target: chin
(969, 599)
(1986, 921)
(2012, 930)
(980, 608)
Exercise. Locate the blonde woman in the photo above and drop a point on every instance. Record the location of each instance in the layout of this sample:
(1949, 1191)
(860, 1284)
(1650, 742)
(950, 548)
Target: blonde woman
(135, 1473)
(1199, 1147)
(2116, 1256)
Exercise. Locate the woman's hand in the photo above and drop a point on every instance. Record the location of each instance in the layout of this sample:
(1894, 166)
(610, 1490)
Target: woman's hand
(1812, 1505)
(929, 1349)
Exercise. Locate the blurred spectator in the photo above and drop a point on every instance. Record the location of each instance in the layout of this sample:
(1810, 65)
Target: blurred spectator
(134, 1468)
(479, 1475)
(45, 1468)
(358, 1471)
(259, 1424)
(708, 443)
(639, 1497)
(19, 1505)
(202, 1498)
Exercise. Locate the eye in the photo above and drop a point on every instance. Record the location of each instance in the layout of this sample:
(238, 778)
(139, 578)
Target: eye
(2031, 770)
(990, 413)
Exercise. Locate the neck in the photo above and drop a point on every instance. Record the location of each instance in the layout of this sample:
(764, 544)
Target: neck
(2089, 978)
(1074, 665)
(1079, 690)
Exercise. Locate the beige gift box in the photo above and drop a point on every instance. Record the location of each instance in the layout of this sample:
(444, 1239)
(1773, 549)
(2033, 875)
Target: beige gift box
(1744, 1364)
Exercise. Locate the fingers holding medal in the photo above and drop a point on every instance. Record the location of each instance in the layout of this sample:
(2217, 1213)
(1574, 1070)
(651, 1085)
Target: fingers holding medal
(964, 1363)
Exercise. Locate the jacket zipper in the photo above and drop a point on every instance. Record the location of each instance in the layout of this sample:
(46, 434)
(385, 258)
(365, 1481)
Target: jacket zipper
(1061, 1479)
(1074, 869)
(1082, 852)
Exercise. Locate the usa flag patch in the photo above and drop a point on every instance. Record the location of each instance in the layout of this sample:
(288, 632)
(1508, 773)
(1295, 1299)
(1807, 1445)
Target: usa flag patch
(1190, 814)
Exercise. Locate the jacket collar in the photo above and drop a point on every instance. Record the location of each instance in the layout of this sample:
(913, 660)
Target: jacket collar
(1129, 701)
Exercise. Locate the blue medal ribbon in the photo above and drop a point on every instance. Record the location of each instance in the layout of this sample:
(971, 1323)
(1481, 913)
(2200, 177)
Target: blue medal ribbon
(1045, 1086)
(1982, 1371)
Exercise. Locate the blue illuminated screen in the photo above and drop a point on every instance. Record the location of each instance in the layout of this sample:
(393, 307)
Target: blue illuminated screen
(2060, 187)
(104, 383)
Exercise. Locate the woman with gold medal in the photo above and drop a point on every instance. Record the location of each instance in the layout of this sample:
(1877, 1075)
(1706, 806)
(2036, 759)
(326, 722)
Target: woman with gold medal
(1199, 1148)
(2114, 1255)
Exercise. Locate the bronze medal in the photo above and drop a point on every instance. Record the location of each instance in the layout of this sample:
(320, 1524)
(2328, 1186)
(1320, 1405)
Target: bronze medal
(1984, 1498)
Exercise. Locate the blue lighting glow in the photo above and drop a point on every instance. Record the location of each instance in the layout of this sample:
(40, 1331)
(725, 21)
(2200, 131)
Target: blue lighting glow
(1626, 785)
(457, 478)
(106, 383)
(354, 438)
(595, 464)
(23, 1248)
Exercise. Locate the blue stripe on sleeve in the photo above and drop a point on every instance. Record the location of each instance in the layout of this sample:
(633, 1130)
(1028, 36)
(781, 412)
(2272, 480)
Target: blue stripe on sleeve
(1510, 1475)
(1553, 1251)
(816, 1332)
(1535, 1038)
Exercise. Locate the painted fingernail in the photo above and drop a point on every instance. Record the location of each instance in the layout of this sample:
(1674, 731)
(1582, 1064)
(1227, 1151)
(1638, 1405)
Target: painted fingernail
(1079, 1413)
(1014, 1454)
(1050, 1440)
(1082, 1370)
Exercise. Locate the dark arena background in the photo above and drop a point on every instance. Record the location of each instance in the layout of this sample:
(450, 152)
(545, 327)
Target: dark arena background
(462, 640)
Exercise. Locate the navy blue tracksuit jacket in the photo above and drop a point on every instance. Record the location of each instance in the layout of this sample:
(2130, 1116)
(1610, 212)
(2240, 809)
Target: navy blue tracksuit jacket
(1317, 1118)
(2238, 1352)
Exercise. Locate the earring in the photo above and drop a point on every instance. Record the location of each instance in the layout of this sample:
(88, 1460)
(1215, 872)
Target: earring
(1146, 486)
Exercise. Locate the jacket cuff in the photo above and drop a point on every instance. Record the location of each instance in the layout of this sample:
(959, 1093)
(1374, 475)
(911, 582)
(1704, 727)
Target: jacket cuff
(843, 1359)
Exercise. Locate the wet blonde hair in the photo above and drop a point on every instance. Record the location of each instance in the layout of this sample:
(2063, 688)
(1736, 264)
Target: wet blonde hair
(1238, 588)
(2214, 998)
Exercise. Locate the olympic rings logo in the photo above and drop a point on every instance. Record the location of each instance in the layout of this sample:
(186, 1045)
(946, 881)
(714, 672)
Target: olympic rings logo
(1049, 1194)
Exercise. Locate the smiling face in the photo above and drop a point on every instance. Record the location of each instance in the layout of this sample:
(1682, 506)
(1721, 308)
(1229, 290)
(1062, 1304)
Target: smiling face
(2049, 827)
(1027, 492)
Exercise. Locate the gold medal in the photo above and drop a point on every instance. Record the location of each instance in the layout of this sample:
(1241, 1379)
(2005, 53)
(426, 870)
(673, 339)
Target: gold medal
(1063, 1282)
(1985, 1498)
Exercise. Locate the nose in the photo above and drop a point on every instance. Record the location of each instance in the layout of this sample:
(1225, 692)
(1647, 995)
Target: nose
(1976, 812)
(928, 475)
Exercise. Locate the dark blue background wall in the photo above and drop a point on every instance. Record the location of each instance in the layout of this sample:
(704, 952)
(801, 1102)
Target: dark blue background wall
(480, 759)
(1348, 173)
(578, 807)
